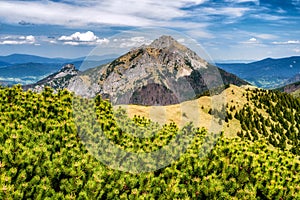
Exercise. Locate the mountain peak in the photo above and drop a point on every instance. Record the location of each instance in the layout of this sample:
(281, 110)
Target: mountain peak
(164, 41)
(68, 68)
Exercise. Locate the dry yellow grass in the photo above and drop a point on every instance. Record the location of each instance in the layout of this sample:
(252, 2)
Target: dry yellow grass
(196, 111)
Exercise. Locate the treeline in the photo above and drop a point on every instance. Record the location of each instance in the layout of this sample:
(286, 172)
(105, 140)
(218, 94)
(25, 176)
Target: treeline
(275, 117)
(45, 153)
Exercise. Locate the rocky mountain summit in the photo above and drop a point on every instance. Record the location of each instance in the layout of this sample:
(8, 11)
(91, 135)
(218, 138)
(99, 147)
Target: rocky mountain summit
(162, 73)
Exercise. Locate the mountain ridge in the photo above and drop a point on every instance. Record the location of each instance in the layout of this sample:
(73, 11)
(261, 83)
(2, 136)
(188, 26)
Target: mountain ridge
(268, 73)
(26, 58)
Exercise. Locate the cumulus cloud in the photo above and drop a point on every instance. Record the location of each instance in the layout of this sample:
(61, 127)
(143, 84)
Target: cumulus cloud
(83, 37)
(287, 42)
(17, 40)
(87, 38)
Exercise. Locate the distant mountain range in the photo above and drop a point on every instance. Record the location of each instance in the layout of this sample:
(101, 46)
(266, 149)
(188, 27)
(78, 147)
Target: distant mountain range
(162, 73)
(23, 58)
(268, 73)
(27, 72)
(28, 69)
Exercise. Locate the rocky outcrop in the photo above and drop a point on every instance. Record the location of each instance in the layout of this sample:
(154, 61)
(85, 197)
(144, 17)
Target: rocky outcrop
(58, 80)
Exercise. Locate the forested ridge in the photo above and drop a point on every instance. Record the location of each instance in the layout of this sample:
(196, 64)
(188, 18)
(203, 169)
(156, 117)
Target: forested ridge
(42, 155)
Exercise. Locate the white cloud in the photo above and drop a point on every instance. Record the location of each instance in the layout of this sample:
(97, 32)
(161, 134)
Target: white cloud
(287, 42)
(52, 42)
(227, 11)
(87, 38)
(265, 36)
(243, 1)
(30, 38)
(72, 43)
(133, 41)
(146, 13)
(82, 13)
(82, 37)
(17, 40)
(252, 40)
(268, 17)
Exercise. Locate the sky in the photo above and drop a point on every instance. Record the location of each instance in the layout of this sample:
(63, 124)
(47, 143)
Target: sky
(227, 30)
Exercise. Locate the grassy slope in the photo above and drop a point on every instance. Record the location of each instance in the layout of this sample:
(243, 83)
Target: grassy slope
(185, 112)
(181, 113)
(188, 111)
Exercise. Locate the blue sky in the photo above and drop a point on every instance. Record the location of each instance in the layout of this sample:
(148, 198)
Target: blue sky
(227, 29)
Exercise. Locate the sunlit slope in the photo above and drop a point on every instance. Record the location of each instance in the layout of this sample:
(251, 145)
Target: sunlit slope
(197, 111)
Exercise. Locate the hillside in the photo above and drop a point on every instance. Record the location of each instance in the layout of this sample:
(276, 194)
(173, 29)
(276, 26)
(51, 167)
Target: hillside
(267, 73)
(247, 109)
(47, 150)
